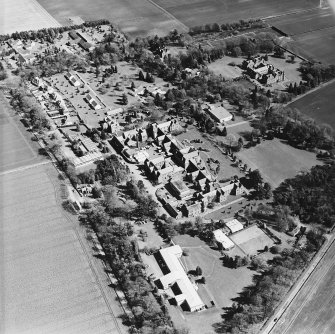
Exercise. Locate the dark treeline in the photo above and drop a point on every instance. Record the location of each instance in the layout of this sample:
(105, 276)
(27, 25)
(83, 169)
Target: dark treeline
(298, 130)
(311, 195)
(150, 313)
(257, 302)
(50, 33)
(32, 111)
(233, 26)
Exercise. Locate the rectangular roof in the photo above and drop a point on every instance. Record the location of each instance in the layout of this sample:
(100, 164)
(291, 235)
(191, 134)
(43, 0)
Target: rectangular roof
(220, 112)
(234, 225)
(223, 239)
(177, 274)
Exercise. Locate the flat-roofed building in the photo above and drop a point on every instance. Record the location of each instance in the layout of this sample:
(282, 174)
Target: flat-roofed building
(234, 226)
(179, 189)
(222, 240)
(176, 279)
(219, 114)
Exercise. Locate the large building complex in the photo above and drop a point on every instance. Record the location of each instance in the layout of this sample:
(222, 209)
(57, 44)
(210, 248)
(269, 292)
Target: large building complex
(176, 282)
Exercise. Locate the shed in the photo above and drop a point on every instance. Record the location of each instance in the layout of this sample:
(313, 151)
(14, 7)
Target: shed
(223, 240)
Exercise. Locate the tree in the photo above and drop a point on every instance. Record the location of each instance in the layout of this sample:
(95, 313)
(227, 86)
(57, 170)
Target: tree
(267, 190)
(141, 76)
(198, 271)
(96, 192)
(255, 178)
(224, 132)
(132, 86)
(124, 99)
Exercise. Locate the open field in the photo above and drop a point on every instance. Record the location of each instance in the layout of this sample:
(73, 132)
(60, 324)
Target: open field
(222, 284)
(312, 310)
(304, 22)
(193, 13)
(49, 282)
(138, 17)
(15, 147)
(142, 17)
(222, 67)
(20, 15)
(277, 161)
(319, 104)
(318, 45)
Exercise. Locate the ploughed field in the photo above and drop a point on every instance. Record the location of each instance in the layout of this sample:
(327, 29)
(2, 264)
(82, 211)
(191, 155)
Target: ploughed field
(21, 15)
(142, 17)
(197, 12)
(48, 285)
(15, 146)
(312, 33)
(312, 311)
(136, 17)
(319, 104)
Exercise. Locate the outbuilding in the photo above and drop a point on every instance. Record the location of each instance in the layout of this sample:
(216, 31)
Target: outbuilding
(222, 240)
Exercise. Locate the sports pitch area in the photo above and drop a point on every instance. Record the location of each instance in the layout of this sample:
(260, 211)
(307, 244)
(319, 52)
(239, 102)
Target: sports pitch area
(271, 158)
(319, 104)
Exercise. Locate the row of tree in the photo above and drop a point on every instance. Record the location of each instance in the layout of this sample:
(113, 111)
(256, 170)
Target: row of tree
(32, 111)
(240, 25)
(50, 34)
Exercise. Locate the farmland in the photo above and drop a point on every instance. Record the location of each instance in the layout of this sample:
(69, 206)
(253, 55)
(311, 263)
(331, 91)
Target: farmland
(271, 158)
(21, 15)
(312, 311)
(48, 280)
(312, 32)
(300, 23)
(194, 13)
(318, 104)
(15, 148)
(143, 17)
(134, 17)
(317, 45)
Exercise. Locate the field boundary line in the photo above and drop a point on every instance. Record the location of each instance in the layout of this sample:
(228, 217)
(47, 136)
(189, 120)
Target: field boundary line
(324, 84)
(20, 169)
(84, 249)
(298, 285)
(186, 28)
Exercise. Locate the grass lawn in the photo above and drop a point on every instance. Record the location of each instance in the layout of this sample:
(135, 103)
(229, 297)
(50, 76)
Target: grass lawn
(222, 284)
(319, 104)
(277, 160)
(222, 67)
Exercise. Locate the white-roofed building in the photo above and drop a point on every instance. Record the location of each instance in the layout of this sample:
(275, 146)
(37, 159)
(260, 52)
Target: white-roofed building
(223, 240)
(219, 114)
(184, 290)
(234, 226)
